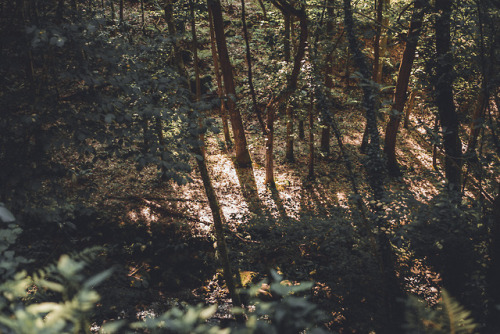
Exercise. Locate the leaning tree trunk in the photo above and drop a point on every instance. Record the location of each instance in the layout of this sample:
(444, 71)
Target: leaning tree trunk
(217, 215)
(402, 87)
(444, 95)
(240, 143)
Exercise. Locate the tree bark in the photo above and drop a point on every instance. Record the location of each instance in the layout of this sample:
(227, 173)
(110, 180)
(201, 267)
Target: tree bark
(402, 87)
(240, 143)
(444, 95)
(310, 175)
(220, 89)
(325, 127)
(256, 108)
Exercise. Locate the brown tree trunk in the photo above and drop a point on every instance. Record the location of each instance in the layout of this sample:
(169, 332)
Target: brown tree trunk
(217, 215)
(310, 175)
(256, 108)
(291, 86)
(269, 179)
(444, 95)
(402, 87)
(220, 90)
(289, 154)
(240, 143)
(325, 127)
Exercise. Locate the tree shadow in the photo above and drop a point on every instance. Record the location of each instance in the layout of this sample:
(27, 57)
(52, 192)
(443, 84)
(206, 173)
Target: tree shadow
(275, 195)
(248, 187)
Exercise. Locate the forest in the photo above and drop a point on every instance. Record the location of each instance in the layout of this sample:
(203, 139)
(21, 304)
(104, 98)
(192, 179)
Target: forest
(249, 166)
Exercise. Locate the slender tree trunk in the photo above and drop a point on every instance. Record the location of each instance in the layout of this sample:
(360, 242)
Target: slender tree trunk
(142, 14)
(289, 154)
(402, 87)
(169, 18)
(220, 90)
(113, 16)
(379, 50)
(263, 7)
(325, 127)
(301, 130)
(310, 175)
(269, 179)
(240, 142)
(121, 11)
(286, 37)
(217, 215)
(376, 44)
(291, 86)
(444, 95)
(256, 108)
(435, 145)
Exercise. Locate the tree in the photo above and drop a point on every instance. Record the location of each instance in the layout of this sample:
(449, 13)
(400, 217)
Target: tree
(290, 86)
(240, 143)
(400, 93)
(443, 82)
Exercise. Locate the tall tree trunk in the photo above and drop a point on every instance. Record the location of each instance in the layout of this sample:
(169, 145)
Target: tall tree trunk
(169, 18)
(291, 86)
(310, 174)
(402, 87)
(217, 215)
(121, 11)
(289, 154)
(325, 127)
(444, 95)
(269, 179)
(220, 90)
(379, 50)
(240, 143)
(255, 106)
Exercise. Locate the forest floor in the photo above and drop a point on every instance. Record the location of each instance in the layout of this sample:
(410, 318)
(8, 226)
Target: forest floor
(162, 236)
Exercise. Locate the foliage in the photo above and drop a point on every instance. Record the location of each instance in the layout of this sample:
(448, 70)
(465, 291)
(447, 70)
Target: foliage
(10, 260)
(447, 317)
(74, 296)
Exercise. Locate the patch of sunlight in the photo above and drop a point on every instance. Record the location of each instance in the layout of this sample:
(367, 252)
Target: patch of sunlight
(133, 215)
(146, 213)
(342, 199)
